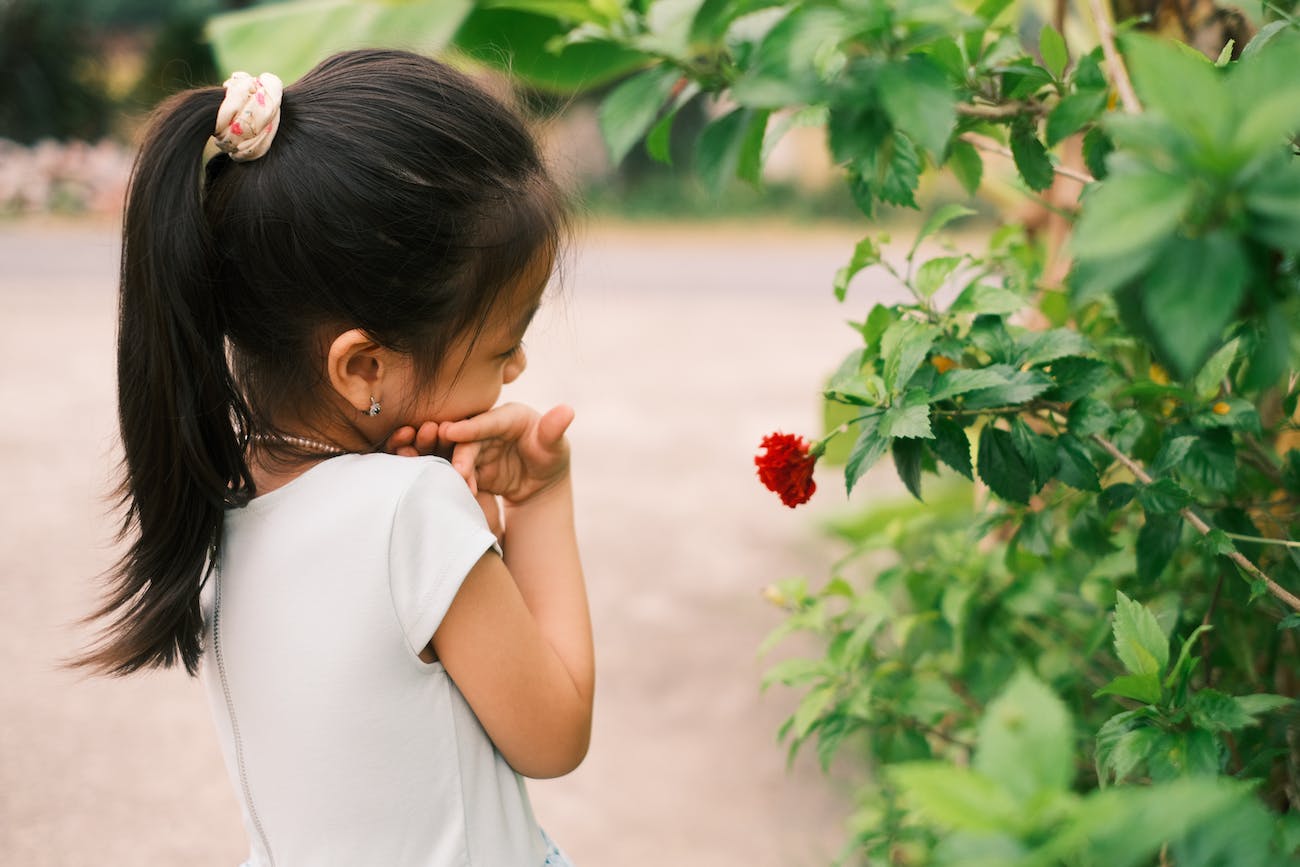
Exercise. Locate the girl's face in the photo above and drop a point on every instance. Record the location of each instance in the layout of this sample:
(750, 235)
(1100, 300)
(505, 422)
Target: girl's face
(469, 382)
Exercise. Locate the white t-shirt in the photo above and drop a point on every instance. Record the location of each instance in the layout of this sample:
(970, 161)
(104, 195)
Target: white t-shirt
(343, 747)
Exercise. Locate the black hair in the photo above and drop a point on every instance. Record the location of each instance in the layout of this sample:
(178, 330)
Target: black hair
(397, 197)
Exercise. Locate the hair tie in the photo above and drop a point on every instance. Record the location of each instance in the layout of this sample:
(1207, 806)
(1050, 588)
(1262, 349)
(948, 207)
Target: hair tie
(249, 115)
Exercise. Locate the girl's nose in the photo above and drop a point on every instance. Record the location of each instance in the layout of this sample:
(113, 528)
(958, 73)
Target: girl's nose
(514, 367)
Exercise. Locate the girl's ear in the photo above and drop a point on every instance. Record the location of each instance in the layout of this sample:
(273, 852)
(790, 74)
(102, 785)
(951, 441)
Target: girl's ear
(357, 367)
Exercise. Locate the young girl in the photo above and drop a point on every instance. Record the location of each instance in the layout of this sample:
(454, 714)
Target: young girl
(351, 274)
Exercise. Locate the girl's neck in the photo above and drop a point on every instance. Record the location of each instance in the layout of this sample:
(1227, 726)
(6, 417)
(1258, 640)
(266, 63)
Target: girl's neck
(272, 469)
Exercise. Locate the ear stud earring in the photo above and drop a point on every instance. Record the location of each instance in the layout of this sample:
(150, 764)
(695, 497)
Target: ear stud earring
(374, 406)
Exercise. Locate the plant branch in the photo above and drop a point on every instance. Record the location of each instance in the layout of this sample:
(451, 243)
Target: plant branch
(1262, 540)
(1276, 590)
(984, 143)
(1003, 111)
(1118, 73)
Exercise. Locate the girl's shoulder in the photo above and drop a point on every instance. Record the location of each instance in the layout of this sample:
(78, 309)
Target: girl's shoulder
(367, 478)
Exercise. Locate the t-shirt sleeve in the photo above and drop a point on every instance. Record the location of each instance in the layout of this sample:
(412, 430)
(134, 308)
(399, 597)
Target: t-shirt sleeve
(439, 533)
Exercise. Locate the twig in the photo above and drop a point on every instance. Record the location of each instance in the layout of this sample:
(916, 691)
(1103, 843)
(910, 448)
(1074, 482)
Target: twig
(1005, 111)
(1278, 591)
(1261, 540)
(985, 143)
(1118, 73)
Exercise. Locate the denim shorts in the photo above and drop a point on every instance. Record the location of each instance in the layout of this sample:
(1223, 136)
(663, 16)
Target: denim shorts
(554, 857)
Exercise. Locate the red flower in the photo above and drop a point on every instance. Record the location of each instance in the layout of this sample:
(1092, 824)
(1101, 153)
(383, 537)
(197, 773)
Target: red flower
(786, 467)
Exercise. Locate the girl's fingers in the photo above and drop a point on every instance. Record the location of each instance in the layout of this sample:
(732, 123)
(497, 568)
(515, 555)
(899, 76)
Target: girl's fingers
(426, 438)
(497, 422)
(399, 439)
(551, 427)
(463, 459)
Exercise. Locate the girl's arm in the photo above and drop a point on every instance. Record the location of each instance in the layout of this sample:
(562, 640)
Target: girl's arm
(517, 638)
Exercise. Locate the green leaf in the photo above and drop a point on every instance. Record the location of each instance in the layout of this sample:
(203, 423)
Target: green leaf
(868, 448)
(1213, 711)
(1164, 76)
(1163, 496)
(1097, 146)
(1262, 703)
(810, 710)
(729, 148)
(987, 298)
(1212, 461)
(1209, 381)
(1088, 416)
(795, 672)
(1116, 496)
(919, 101)
(1025, 740)
(1127, 752)
(532, 47)
(937, 220)
(659, 141)
(1156, 543)
(784, 70)
(933, 273)
(1038, 452)
(904, 347)
(290, 38)
(908, 452)
(1076, 377)
(1128, 214)
(631, 108)
(1172, 454)
(967, 165)
(1023, 78)
(895, 172)
(986, 12)
(1044, 346)
(951, 445)
(956, 797)
(1273, 202)
(1182, 668)
(1076, 467)
(990, 334)
(865, 254)
(1139, 687)
(1073, 113)
(906, 421)
(962, 381)
(1139, 642)
(1190, 295)
(1002, 468)
(1031, 157)
(1051, 47)
(1021, 385)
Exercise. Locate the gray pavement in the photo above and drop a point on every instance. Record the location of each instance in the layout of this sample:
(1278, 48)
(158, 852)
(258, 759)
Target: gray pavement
(679, 348)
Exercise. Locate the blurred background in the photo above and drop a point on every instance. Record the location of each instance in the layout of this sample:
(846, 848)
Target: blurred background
(688, 323)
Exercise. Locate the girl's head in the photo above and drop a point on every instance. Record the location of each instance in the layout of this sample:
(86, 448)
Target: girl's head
(396, 236)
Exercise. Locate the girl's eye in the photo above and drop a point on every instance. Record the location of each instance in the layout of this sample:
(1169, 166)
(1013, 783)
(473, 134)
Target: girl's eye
(511, 352)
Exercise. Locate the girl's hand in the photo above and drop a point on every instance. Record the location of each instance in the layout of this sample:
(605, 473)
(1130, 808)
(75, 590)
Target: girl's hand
(412, 442)
(510, 450)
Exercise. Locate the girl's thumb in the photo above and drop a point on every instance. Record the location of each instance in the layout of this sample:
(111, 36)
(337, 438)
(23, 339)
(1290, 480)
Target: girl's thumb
(551, 427)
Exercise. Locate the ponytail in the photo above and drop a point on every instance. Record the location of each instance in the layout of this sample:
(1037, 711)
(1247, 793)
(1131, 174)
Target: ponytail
(183, 421)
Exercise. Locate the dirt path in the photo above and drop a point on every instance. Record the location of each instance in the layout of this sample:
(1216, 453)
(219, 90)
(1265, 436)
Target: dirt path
(679, 349)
